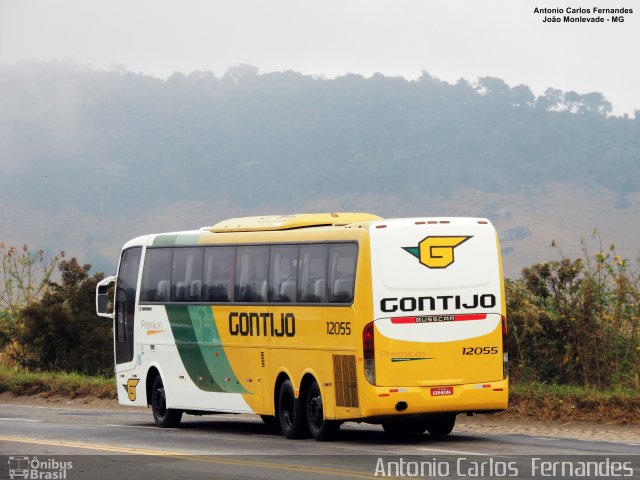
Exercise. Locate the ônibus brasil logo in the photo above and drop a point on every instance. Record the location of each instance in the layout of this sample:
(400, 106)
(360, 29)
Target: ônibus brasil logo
(436, 251)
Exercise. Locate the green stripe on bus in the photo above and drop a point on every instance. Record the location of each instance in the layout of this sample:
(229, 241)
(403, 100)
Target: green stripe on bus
(200, 348)
(215, 357)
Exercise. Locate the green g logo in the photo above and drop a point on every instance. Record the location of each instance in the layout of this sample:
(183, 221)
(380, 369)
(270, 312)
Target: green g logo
(436, 252)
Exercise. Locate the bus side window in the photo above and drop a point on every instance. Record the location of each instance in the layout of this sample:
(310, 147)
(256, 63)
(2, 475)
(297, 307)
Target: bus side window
(186, 275)
(312, 277)
(219, 266)
(156, 276)
(163, 292)
(251, 274)
(283, 268)
(342, 270)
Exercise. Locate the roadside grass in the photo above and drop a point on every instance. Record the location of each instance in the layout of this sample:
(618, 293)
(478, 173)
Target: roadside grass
(571, 403)
(535, 401)
(48, 384)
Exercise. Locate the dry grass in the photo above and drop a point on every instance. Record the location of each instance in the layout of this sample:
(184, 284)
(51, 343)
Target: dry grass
(47, 384)
(566, 403)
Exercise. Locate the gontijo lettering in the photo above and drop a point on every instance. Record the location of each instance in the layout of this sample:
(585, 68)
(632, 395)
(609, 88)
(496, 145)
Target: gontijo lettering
(262, 324)
(440, 302)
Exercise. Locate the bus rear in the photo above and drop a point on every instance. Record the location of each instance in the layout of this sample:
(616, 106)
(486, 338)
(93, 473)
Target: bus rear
(437, 342)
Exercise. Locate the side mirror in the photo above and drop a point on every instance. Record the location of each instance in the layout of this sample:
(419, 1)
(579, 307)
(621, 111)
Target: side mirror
(104, 307)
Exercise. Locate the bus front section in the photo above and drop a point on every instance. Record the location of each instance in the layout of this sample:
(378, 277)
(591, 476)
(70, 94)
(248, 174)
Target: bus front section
(436, 346)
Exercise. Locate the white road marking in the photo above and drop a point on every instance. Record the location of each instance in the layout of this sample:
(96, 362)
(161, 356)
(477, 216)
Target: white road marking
(453, 452)
(19, 419)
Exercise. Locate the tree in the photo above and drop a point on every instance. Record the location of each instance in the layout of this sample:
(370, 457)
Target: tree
(61, 331)
(24, 276)
(493, 87)
(521, 96)
(553, 99)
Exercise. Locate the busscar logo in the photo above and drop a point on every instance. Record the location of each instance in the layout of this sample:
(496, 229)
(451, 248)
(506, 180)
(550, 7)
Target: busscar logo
(130, 388)
(436, 251)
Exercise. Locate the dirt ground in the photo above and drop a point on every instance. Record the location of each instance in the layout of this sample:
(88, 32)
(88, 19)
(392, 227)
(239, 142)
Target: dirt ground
(62, 402)
(496, 424)
(503, 424)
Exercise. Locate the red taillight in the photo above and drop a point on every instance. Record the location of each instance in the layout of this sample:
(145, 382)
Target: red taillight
(368, 353)
(505, 348)
(368, 341)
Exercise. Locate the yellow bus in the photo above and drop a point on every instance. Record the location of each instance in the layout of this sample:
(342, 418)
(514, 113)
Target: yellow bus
(313, 320)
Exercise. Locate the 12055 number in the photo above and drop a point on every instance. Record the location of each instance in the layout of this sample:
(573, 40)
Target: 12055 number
(338, 328)
(479, 350)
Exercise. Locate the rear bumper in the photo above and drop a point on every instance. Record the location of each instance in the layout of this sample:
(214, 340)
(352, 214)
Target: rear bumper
(386, 401)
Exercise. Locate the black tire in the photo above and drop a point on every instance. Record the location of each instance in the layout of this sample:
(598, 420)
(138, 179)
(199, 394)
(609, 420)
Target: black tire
(291, 414)
(320, 428)
(163, 416)
(401, 428)
(441, 426)
(270, 420)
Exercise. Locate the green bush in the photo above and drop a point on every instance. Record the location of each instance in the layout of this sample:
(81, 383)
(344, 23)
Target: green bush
(61, 330)
(576, 322)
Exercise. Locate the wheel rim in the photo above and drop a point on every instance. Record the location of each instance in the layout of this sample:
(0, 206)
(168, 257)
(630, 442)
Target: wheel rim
(160, 402)
(316, 416)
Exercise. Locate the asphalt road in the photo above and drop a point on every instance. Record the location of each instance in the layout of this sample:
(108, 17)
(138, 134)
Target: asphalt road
(124, 444)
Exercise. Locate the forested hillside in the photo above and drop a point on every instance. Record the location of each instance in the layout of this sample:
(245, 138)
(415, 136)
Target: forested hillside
(102, 156)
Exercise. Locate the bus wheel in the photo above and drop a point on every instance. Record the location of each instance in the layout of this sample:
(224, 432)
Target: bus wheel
(441, 425)
(320, 428)
(164, 417)
(400, 428)
(290, 412)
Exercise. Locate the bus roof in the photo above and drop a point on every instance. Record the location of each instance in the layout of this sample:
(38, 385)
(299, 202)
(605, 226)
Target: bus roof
(288, 222)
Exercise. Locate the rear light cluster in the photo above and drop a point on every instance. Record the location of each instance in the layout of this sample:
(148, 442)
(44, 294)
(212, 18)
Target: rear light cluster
(505, 349)
(368, 350)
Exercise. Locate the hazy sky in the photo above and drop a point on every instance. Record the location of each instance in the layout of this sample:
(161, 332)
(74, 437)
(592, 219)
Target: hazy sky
(448, 38)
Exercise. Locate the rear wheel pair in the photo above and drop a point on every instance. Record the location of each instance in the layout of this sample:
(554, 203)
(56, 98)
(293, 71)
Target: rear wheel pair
(304, 415)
